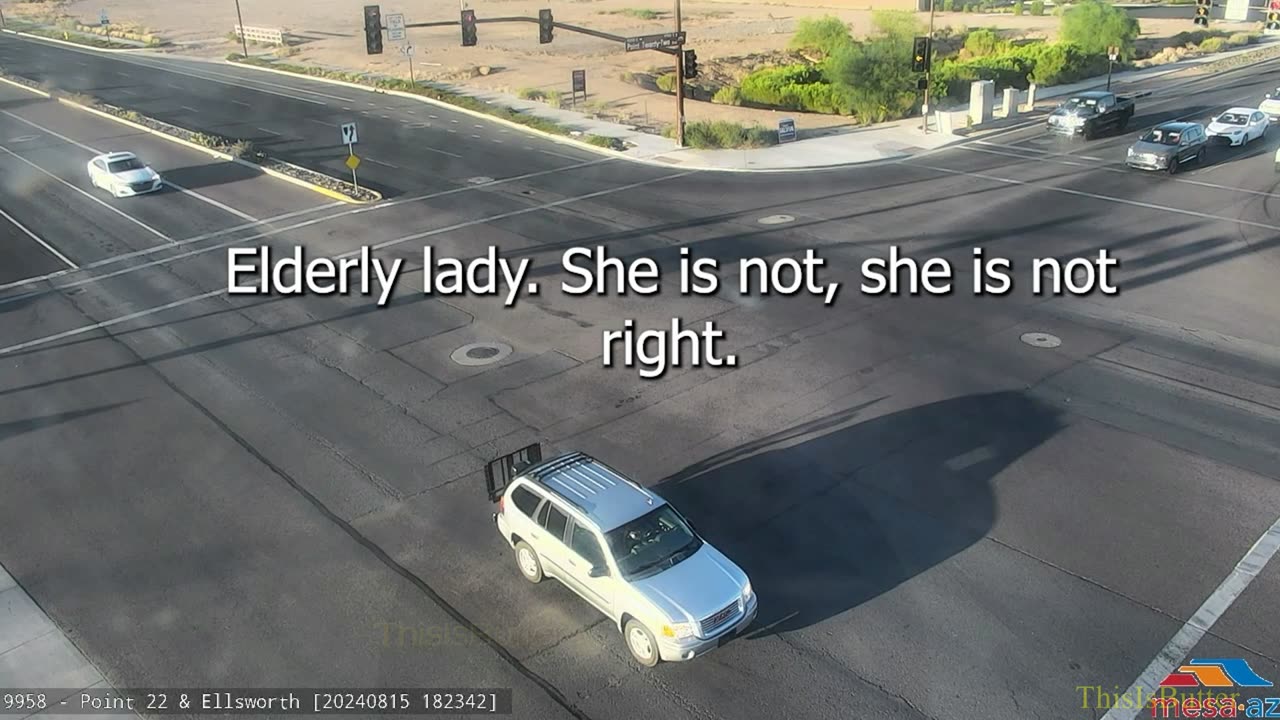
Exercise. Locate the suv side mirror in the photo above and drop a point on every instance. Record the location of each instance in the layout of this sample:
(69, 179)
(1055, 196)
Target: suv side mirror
(598, 571)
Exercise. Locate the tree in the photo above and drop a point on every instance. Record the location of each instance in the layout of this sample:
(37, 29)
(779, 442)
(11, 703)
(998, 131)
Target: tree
(897, 24)
(824, 35)
(1093, 26)
(874, 77)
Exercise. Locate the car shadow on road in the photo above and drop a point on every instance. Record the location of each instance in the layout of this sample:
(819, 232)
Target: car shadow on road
(830, 514)
(193, 177)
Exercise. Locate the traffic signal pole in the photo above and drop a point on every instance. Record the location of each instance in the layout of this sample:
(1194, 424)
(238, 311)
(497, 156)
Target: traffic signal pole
(244, 44)
(679, 84)
(928, 69)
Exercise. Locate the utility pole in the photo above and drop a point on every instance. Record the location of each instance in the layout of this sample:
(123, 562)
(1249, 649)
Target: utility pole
(679, 84)
(244, 44)
(928, 70)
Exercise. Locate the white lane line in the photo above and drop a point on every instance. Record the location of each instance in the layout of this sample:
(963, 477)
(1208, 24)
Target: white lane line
(241, 103)
(272, 232)
(1104, 198)
(1029, 158)
(114, 259)
(379, 162)
(265, 130)
(389, 243)
(440, 151)
(37, 238)
(242, 83)
(1023, 148)
(411, 112)
(175, 86)
(188, 108)
(1192, 631)
(122, 74)
(320, 122)
(1154, 176)
(82, 146)
(97, 200)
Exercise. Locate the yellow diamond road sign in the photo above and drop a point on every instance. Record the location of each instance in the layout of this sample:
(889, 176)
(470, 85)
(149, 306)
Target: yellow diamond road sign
(353, 162)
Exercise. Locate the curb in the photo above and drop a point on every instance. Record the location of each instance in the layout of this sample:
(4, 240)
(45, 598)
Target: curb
(229, 158)
(562, 140)
(82, 46)
(210, 151)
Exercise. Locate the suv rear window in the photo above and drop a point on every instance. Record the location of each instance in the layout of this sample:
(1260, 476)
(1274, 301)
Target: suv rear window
(525, 500)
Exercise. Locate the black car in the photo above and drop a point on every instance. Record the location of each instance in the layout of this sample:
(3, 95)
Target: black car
(1169, 146)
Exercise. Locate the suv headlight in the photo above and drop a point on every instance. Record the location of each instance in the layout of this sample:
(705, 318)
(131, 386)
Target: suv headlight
(678, 631)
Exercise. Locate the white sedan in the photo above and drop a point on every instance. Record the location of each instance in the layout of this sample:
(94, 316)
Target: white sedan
(1239, 125)
(122, 174)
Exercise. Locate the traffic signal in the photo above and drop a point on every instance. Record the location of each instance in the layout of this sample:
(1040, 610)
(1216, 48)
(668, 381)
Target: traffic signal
(690, 64)
(1202, 12)
(920, 52)
(1273, 15)
(468, 28)
(545, 26)
(373, 29)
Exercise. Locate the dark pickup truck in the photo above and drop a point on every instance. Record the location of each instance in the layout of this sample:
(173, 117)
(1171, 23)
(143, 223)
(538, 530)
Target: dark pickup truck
(1089, 114)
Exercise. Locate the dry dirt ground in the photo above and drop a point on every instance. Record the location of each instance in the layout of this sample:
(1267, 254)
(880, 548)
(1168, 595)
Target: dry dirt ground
(729, 37)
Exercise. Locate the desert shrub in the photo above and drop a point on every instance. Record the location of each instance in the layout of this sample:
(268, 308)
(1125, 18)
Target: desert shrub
(983, 43)
(824, 34)
(666, 82)
(1037, 7)
(1242, 38)
(1213, 45)
(724, 135)
(1095, 25)
(1018, 7)
(728, 95)
(532, 94)
(948, 5)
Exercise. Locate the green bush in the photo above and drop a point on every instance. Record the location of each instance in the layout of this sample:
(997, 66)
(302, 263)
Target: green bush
(792, 87)
(666, 82)
(722, 134)
(824, 34)
(948, 5)
(1042, 63)
(874, 79)
(1018, 8)
(1213, 45)
(968, 8)
(1242, 38)
(728, 95)
(1095, 25)
(1037, 7)
(532, 94)
(983, 43)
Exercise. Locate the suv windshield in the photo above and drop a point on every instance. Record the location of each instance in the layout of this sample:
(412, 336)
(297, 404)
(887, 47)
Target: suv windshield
(653, 542)
(119, 166)
(1163, 137)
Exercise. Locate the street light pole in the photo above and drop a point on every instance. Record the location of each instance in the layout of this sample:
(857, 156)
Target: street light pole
(244, 44)
(928, 70)
(679, 83)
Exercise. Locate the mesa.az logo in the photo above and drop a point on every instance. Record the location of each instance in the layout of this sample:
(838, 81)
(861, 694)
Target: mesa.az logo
(1216, 673)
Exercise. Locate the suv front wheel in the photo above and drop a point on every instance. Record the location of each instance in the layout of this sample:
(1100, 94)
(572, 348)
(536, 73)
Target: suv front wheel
(527, 559)
(641, 643)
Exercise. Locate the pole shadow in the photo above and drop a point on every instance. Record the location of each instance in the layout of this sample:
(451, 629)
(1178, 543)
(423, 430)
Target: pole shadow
(832, 513)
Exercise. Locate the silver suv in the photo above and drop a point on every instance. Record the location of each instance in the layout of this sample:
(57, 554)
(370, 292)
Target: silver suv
(621, 548)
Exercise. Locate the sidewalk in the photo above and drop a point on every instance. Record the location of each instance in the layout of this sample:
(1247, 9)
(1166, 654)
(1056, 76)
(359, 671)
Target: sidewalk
(35, 654)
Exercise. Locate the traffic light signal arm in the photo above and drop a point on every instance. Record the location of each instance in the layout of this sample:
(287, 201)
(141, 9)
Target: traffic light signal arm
(557, 25)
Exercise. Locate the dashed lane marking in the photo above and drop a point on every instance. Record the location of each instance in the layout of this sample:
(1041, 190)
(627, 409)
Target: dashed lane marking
(99, 201)
(389, 243)
(52, 250)
(1103, 198)
(274, 231)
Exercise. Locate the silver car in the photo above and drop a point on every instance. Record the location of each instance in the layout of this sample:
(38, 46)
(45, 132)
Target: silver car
(1168, 147)
(621, 548)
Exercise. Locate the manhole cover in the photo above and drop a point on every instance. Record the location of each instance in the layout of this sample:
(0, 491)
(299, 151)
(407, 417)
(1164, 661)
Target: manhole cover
(776, 219)
(1041, 340)
(481, 354)
(480, 180)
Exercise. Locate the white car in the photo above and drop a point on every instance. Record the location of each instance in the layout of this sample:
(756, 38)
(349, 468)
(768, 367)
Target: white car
(1271, 105)
(1239, 126)
(123, 175)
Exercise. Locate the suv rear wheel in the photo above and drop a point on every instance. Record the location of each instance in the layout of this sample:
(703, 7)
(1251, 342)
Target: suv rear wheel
(641, 643)
(527, 559)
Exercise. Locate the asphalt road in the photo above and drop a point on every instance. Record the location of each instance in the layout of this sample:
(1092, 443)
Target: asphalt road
(941, 520)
